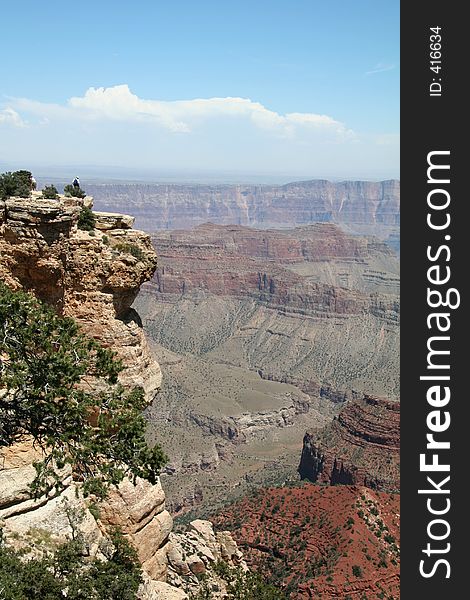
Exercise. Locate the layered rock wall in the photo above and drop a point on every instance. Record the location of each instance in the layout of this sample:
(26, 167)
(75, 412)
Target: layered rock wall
(363, 206)
(268, 267)
(360, 447)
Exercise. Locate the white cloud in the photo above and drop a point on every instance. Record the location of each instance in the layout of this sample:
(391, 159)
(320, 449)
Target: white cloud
(113, 126)
(380, 68)
(11, 117)
(118, 103)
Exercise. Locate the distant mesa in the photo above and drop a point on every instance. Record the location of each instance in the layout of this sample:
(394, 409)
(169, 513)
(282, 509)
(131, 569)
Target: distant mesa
(363, 207)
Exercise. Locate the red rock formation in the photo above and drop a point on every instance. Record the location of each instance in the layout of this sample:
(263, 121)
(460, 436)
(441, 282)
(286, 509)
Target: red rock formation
(321, 542)
(360, 447)
(319, 241)
(242, 262)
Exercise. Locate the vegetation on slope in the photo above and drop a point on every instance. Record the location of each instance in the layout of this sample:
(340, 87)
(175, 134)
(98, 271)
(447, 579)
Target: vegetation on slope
(60, 388)
(86, 219)
(67, 574)
(320, 541)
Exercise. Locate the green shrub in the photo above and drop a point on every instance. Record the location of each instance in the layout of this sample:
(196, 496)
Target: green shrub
(243, 586)
(86, 219)
(251, 585)
(72, 192)
(204, 593)
(357, 571)
(94, 510)
(50, 192)
(38, 346)
(68, 574)
(222, 569)
(18, 184)
(135, 251)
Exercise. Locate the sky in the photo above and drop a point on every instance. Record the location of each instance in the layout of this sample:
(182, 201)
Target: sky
(294, 88)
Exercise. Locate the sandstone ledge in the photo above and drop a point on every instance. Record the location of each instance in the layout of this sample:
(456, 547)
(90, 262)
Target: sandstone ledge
(92, 276)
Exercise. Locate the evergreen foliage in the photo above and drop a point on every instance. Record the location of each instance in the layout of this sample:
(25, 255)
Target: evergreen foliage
(74, 192)
(68, 574)
(18, 183)
(50, 192)
(46, 369)
(241, 585)
(86, 219)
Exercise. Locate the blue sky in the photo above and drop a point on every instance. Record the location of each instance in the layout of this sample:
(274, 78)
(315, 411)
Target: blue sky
(302, 87)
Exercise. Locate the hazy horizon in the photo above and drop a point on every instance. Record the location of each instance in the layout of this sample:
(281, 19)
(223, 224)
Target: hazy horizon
(113, 174)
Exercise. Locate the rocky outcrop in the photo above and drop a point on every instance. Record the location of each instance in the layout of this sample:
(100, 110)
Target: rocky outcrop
(31, 524)
(138, 509)
(89, 275)
(159, 590)
(172, 562)
(360, 447)
(94, 276)
(236, 428)
(362, 206)
(194, 554)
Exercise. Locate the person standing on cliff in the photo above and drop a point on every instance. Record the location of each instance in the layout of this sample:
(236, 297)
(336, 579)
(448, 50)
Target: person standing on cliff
(33, 184)
(76, 183)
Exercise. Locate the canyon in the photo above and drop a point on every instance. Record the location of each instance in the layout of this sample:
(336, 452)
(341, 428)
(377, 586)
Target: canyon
(361, 446)
(262, 335)
(364, 207)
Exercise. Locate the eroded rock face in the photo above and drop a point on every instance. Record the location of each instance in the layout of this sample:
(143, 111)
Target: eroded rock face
(159, 590)
(139, 510)
(89, 275)
(360, 447)
(49, 520)
(94, 277)
(270, 267)
(195, 553)
(362, 206)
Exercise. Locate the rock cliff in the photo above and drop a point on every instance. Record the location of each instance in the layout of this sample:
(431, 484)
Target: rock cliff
(360, 206)
(281, 269)
(93, 276)
(172, 562)
(360, 447)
